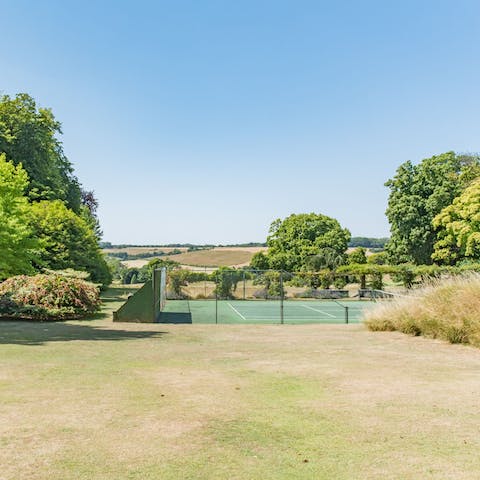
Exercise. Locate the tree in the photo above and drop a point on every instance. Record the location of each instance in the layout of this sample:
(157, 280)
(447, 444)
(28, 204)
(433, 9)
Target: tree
(28, 135)
(417, 194)
(17, 245)
(259, 261)
(358, 256)
(67, 241)
(458, 228)
(293, 241)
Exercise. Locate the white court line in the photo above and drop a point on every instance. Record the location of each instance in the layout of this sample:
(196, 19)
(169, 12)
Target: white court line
(235, 310)
(319, 311)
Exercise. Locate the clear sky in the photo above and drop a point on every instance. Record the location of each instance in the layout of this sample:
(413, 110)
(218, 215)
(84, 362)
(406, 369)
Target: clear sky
(202, 121)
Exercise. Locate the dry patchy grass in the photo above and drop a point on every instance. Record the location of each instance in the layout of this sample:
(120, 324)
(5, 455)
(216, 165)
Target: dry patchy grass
(97, 400)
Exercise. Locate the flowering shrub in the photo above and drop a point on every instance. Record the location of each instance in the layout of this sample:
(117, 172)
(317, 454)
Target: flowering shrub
(47, 297)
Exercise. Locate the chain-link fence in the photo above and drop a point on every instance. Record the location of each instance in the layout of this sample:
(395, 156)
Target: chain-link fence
(261, 296)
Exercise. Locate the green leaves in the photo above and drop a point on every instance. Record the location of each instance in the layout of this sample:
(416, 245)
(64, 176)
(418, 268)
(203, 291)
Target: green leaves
(67, 240)
(17, 245)
(28, 136)
(298, 238)
(458, 228)
(417, 194)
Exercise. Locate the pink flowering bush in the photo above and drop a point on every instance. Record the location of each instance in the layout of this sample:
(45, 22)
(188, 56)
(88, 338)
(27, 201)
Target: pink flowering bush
(47, 297)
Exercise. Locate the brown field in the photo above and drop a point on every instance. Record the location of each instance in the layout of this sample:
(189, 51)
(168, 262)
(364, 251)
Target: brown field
(94, 400)
(219, 256)
(215, 257)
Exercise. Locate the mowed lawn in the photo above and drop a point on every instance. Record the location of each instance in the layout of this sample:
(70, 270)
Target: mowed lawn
(97, 400)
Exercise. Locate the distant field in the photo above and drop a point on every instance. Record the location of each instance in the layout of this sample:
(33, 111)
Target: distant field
(215, 257)
(227, 256)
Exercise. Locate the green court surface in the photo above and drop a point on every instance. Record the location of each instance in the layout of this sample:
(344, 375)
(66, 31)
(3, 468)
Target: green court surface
(261, 311)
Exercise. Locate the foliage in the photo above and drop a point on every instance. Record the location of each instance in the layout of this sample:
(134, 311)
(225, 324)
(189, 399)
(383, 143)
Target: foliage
(226, 281)
(417, 194)
(260, 261)
(458, 228)
(67, 241)
(48, 297)
(367, 242)
(376, 281)
(297, 238)
(327, 258)
(17, 245)
(271, 280)
(379, 258)
(176, 280)
(359, 255)
(116, 267)
(28, 136)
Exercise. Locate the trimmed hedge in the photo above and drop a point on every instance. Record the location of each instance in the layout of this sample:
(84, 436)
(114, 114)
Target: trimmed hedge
(47, 297)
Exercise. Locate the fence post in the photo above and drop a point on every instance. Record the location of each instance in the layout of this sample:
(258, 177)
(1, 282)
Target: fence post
(281, 297)
(346, 314)
(205, 283)
(244, 284)
(216, 299)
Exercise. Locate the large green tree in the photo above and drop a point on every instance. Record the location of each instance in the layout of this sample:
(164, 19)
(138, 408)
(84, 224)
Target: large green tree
(458, 228)
(17, 245)
(294, 241)
(28, 135)
(67, 240)
(417, 194)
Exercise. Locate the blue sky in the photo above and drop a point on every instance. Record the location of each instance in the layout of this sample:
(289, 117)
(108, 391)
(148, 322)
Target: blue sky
(203, 121)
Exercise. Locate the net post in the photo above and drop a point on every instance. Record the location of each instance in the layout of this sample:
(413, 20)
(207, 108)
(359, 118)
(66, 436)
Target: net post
(281, 297)
(346, 314)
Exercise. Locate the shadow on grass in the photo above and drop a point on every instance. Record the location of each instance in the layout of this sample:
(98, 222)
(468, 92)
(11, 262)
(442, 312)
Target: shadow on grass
(38, 333)
(175, 317)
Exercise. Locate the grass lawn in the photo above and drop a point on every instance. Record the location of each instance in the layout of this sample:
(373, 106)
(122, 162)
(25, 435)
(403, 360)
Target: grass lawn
(98, 400)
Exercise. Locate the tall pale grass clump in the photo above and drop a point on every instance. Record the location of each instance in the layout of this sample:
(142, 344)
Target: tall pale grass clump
(448, 309)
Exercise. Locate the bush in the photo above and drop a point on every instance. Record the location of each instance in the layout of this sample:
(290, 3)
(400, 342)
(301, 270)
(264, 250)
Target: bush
(47, 297)
(448, 309)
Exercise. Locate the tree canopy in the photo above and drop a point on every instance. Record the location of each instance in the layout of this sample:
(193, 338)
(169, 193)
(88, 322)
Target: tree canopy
(417, 194)
(299, 237)
(46, 220)
(67, 240)
(458, 228)
(17, 245)
(28, 135)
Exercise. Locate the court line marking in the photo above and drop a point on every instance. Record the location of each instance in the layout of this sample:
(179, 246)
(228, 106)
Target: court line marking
(319, 311)
(235, 310)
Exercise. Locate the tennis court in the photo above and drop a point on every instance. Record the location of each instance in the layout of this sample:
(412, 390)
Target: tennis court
(261, 311)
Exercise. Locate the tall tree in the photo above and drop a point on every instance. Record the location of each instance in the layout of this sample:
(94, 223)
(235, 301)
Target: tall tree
(28, 135)
(67, 240)
(417, 194)
(293, 241)
(17, 246)
(458, 228)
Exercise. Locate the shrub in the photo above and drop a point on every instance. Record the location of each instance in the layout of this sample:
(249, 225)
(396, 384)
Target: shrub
(447, 308)
(47, 297)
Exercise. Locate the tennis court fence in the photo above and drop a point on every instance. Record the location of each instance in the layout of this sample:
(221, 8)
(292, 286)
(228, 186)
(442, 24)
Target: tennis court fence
(258, 296)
